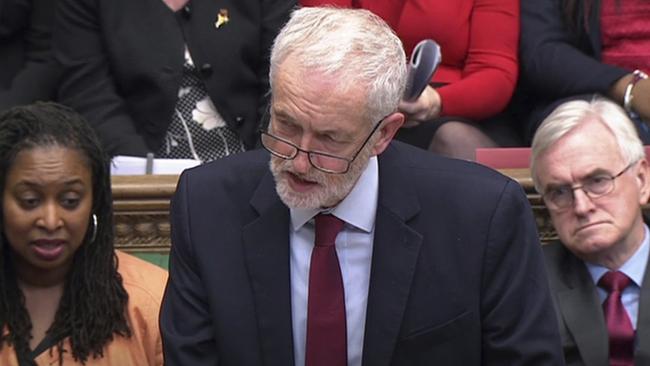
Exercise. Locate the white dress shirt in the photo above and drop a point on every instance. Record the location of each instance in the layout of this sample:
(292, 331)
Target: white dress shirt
(354, 250)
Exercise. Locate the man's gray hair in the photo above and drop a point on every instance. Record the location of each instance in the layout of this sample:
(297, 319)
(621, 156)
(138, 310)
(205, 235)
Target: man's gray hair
(571, 114)
(352, 45)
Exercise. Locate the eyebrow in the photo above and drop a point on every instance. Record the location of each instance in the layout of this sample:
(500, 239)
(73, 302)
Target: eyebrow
(67, 183)
(591, 174)
(284, 117)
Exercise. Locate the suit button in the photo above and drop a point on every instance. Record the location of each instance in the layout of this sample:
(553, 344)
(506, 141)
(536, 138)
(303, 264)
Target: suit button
(239, 120)
(206, 69)
(187, 12)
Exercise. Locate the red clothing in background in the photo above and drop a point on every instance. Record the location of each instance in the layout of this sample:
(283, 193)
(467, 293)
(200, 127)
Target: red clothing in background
(625, 32)
(478, 40)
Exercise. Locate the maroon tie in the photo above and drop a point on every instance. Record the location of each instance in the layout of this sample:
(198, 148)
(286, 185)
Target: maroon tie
(619, 326)
(326, 333)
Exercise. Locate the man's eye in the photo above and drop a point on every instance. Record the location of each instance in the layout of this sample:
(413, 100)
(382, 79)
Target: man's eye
(599, 179)
(558, 192)
(285, 128)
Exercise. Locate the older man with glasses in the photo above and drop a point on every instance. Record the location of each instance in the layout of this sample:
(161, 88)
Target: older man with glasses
(339, 247)
(590, 168)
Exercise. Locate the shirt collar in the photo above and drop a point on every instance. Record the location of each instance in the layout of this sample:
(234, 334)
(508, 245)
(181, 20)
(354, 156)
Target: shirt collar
(358, 208)
(634, 267)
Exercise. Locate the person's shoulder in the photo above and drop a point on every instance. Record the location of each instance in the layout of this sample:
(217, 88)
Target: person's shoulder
(233, 178)
(557, 259)
(144, 281)
(555, 251)
(245, 164)
(438, 168)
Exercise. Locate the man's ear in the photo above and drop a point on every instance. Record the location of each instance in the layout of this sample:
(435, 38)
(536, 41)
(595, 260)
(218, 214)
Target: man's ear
(643, 179)
(387, 131)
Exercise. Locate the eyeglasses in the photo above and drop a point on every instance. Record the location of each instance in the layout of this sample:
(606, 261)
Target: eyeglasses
(322, 161)
(561, 197)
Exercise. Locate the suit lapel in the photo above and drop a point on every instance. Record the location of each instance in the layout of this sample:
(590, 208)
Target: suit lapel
(266, 246)
(580, 307)
(642, 355)
(395, 253)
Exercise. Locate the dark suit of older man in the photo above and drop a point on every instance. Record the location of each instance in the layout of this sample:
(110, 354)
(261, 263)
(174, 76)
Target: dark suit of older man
(582, 326)
(457, 273)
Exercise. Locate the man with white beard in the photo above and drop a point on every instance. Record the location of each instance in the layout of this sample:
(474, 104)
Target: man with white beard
(351, 249)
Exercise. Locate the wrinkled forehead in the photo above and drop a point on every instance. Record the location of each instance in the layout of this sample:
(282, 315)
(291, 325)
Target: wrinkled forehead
(316, 94)
(587, 148)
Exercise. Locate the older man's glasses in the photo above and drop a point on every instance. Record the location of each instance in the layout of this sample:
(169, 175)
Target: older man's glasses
(322, 161)
(558, 198)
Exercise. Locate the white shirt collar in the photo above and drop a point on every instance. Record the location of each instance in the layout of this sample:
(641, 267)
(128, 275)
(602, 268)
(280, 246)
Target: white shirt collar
(358, 208)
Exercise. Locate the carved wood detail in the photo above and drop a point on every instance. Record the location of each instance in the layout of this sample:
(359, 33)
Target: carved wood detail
(141, 205)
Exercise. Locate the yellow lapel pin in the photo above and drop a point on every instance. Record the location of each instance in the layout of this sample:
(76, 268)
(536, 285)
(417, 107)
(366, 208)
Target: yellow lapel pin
(222, 18)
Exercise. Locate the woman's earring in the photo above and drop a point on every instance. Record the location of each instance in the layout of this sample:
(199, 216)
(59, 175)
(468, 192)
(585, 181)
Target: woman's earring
(94, 235)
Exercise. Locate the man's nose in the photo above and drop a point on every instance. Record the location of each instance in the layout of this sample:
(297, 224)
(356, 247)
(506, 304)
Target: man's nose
(301, 163)
(582, 203)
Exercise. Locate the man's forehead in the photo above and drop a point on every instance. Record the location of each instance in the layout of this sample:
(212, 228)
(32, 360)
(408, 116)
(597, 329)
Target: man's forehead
(588, 148)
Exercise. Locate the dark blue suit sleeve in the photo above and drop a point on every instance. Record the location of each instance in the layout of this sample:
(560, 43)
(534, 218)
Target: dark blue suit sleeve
(518, 319)
(185, 322)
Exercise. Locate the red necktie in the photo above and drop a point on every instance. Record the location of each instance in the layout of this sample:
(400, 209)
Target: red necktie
(619, 326)
(326, 332)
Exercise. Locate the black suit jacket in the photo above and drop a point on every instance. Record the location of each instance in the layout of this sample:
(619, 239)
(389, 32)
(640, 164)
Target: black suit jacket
(457, 273)
(28, 71)
(124, 60)
(580, 313)
(558, 60)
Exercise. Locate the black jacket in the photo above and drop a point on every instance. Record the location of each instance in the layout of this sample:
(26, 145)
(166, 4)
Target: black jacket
(124, 60)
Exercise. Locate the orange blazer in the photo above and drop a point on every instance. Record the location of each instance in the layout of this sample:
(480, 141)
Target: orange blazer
(145, 284)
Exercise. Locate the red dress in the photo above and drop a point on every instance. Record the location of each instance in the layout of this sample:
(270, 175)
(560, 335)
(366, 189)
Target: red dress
(478, 40)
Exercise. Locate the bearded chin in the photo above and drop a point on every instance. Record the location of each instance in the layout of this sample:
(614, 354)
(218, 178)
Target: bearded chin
(331, 188)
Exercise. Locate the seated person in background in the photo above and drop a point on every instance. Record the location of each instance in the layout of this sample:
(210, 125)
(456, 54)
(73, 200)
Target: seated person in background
(28, 71)
(459, 111)
(590, 167)
(571, 49)
(67, 297)
(181, 79)
(414, 285)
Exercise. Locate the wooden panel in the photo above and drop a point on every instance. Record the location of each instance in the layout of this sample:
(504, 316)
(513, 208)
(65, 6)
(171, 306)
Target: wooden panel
(141, 205)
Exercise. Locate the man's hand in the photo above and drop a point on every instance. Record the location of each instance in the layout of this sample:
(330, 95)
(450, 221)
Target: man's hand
(425, 108)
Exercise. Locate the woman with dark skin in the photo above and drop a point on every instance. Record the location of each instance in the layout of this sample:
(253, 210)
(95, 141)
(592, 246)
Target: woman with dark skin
(66, 296)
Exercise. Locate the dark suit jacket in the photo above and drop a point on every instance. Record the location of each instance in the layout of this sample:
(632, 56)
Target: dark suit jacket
(580, 313)
(124, 60)
(28, 71)
(559, 61)
(457, 273)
